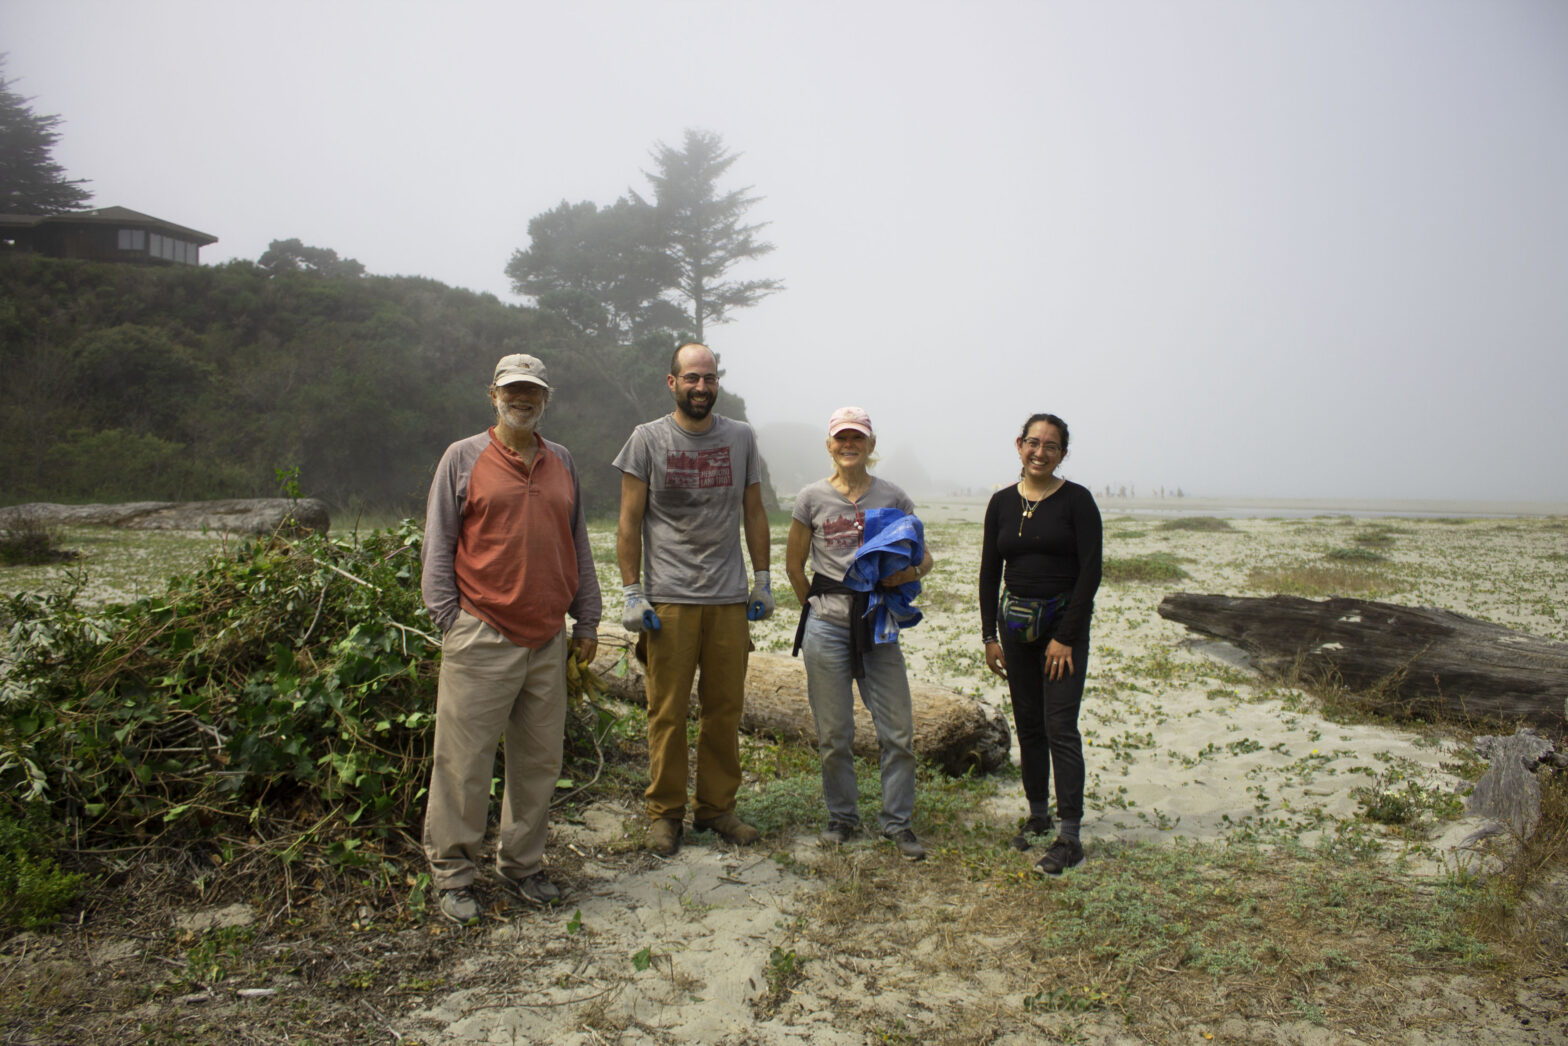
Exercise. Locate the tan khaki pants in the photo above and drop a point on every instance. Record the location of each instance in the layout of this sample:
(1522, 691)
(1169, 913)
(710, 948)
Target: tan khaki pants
(490, 688)
(716, 639)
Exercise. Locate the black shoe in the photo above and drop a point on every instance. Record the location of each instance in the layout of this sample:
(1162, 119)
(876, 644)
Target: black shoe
(837, 833)
(908, 845)
(1033, 826)
(1064, 854)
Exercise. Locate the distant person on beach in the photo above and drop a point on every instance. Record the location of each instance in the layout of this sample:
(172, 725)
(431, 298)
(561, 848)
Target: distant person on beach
(505, 558)
(1042, 538)
(835, 633)
(690, 482)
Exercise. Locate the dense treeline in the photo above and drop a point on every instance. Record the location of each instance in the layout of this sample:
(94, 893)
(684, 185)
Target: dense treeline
(181, 383)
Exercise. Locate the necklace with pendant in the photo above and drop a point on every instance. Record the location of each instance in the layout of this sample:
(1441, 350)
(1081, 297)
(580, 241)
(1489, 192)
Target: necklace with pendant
(1027, 511)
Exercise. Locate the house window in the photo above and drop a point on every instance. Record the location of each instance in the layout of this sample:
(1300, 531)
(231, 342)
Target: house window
(133, 239)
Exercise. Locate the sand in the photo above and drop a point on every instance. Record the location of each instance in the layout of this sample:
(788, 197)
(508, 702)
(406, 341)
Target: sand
(1184, 744)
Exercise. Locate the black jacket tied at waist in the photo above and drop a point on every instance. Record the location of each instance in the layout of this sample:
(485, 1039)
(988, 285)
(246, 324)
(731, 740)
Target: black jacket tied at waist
(859, 624)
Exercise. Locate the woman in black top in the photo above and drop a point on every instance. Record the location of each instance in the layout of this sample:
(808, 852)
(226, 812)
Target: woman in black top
(1042, 537)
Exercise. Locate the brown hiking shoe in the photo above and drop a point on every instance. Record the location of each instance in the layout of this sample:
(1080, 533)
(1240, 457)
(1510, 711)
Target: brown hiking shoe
(664, 836)
(730, 828)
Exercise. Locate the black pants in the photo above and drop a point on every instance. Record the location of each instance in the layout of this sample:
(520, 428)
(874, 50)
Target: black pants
(1046, 716)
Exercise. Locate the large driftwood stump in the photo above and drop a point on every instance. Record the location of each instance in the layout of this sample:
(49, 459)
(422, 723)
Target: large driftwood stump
(1406, 660)
(236, 515)
(951, 730)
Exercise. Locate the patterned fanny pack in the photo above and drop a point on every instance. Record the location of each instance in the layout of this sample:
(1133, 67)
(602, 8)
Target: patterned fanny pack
(1029, 619)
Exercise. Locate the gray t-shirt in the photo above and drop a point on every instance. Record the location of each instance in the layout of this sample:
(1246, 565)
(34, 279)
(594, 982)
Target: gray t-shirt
(691, 529)
(837, 526)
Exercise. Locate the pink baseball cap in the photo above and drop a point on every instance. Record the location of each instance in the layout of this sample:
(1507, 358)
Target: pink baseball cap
(849, 418)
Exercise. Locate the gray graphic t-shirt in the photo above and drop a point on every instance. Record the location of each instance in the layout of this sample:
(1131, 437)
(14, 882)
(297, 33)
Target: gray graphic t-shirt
(691, 530)
(837, 525)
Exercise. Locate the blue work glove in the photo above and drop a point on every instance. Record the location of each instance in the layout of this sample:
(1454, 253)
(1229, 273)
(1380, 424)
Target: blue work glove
(760, 603)
(639, 613)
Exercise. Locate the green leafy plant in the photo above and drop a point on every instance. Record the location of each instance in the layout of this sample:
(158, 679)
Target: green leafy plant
(33, 888)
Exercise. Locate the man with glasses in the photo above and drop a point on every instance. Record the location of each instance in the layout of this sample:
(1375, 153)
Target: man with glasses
(689, 482)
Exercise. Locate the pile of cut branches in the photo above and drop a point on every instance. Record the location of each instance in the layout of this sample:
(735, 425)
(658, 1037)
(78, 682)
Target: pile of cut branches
(278, 704)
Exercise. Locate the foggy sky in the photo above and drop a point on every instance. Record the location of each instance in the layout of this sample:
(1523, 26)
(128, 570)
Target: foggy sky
(1281, 249)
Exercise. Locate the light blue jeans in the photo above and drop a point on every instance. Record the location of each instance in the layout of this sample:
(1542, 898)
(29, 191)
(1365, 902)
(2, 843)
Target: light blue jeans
(885, 691)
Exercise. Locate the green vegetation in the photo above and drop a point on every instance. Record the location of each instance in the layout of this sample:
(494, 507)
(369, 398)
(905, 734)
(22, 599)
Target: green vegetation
(26, 540)
(1201, 524)
(1356, 555)
(1317, 581)
(31, 182)
(33, 888)
(197, 382)
(277, 704)
(1156, 567)
(232, 371)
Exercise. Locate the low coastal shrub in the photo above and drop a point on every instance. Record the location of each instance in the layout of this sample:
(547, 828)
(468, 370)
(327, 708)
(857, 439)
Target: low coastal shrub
(26, 540)
(1374, 537)
(1126, 535)
(1155, 567)
(1198, 523)
(1319, 581)
(1356, 555)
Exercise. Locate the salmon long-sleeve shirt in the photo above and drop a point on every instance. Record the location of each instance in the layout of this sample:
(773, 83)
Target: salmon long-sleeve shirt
(508, 542)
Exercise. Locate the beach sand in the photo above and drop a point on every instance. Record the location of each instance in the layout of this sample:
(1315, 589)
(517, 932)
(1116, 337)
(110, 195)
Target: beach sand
(1185, 745)
(1199, 772)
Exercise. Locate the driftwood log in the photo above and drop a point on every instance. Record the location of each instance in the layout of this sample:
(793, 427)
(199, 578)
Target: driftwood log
(1404, 660)
(953, 731)
(235, 515)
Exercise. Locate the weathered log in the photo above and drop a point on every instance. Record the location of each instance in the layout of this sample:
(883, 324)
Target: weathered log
(952, 730)
(236, 515)
(1404, 660)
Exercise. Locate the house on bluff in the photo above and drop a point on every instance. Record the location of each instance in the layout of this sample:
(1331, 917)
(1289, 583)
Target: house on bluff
(108, 234)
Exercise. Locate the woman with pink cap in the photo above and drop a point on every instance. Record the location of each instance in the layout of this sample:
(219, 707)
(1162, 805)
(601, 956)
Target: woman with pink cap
(829, 523)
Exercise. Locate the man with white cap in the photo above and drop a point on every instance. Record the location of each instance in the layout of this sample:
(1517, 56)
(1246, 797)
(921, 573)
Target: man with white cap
(506, 556)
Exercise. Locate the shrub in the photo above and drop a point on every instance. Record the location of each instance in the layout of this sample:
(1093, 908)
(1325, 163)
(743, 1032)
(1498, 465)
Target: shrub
(1155, 567)
(1199, 523)
(33, 889)
(26, 540)
(1356, 555)
(1318, 581)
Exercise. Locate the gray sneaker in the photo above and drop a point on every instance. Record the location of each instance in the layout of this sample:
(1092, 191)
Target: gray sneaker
(535, 889)
(908, 845)
(459, 905)
(837, 833)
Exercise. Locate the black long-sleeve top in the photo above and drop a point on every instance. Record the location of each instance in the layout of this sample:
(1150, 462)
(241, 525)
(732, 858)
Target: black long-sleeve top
(1055, 550)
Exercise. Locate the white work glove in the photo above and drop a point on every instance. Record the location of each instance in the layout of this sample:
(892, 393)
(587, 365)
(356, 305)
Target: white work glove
(639, 613)
(760, 603)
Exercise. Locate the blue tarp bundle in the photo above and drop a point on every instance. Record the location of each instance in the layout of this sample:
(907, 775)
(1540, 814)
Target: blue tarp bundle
(894, 540)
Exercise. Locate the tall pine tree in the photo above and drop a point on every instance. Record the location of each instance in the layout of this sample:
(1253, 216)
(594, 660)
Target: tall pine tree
(701, 228)
(30, 181)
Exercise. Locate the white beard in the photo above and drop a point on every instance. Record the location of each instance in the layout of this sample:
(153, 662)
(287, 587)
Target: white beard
(520, 420)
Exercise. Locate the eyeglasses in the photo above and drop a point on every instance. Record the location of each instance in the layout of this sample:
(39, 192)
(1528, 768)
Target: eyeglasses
(1049, 448)
(694, 379)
